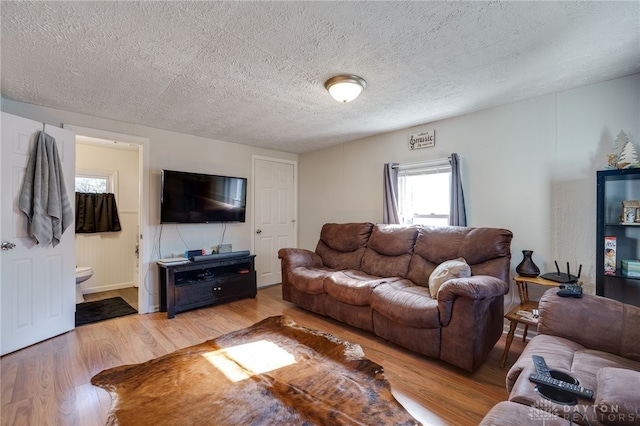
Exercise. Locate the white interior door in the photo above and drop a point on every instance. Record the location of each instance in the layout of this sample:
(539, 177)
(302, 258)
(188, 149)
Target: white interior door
(37, 286)
(274, 216)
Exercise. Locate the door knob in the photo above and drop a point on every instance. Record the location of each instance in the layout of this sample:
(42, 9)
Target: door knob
(258, 231)
(6, 245)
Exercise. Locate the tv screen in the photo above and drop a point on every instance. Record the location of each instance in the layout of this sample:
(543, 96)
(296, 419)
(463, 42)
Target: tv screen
(200, 198)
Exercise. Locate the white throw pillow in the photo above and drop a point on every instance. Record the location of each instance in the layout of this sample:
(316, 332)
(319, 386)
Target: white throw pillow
(455, 268)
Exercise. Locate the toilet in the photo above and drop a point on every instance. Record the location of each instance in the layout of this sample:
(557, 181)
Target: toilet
(83, 273)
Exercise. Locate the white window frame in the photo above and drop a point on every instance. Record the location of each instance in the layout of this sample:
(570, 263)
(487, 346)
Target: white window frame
(422, 168)
(110, 176)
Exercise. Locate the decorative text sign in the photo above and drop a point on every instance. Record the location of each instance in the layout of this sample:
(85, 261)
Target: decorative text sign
(425, 139)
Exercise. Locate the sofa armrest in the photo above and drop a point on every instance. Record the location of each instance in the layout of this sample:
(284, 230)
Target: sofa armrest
(476, 287)
(471, 314)
(294, 257)
(593, 321)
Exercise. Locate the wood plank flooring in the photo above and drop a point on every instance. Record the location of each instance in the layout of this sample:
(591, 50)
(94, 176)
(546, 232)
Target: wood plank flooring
(49, 383)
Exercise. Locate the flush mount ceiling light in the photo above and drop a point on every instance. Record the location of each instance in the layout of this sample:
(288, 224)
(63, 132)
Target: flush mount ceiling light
(345, 88)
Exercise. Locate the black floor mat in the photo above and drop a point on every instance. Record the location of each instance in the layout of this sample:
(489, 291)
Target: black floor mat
(99, 310)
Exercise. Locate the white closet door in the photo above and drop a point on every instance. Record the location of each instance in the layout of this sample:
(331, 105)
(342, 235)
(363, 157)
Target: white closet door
(37, 286)
(274, 217)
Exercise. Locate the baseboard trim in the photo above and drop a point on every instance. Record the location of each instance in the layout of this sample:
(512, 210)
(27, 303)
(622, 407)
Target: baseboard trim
(267, 285)
(520, 331)
(109, 287)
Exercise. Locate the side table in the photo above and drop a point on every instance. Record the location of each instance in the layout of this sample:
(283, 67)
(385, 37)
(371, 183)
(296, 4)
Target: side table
(525, 305)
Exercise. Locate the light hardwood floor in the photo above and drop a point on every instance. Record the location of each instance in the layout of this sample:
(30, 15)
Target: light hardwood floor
(49, 383)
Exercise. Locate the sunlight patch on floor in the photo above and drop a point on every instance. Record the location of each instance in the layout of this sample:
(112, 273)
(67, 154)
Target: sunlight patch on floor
(243, 361)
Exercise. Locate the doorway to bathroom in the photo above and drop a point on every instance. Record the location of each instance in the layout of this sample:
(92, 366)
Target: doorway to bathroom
(109, 163)
(107, 217)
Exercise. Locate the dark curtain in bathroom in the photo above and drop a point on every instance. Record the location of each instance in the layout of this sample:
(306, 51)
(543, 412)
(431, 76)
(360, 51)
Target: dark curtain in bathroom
(96, 213)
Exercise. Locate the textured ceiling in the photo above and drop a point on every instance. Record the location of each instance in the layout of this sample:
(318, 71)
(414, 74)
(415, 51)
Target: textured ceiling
(253, 72)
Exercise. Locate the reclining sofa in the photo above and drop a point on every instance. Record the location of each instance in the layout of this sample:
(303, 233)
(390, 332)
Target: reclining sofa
(592, 339)
(377, 277)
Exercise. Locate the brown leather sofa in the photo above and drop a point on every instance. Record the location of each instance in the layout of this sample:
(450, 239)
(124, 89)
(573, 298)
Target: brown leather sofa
(376, 277)
(592, 339)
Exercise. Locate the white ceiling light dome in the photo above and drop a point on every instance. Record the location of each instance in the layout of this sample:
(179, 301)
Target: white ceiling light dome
(345, 88)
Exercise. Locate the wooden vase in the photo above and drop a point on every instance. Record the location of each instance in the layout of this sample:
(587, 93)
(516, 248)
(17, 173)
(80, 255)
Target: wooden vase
(527, 268)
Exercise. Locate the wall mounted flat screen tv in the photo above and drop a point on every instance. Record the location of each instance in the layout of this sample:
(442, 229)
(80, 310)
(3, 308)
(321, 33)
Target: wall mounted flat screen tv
(200, 198)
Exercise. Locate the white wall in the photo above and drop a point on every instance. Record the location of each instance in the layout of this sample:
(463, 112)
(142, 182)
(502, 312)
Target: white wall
(111, 255)
(177, 151)
(528, 167)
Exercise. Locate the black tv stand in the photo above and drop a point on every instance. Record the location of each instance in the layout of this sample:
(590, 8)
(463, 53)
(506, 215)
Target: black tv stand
(193, 285)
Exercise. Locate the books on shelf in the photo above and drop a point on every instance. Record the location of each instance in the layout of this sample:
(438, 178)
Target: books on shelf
(530, 315)
(630, 268)
(609, 255)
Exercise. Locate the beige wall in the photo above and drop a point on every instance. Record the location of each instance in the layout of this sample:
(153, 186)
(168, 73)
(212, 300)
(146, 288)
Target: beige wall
(111, 254)
(528, 167)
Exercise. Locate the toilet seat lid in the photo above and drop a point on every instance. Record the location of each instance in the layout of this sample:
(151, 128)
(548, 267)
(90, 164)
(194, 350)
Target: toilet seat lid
(83, 270)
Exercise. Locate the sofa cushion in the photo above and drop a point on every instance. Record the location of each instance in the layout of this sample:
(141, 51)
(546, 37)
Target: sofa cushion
(454, 268)
(568, 357)
(406, 303)
(613, 326)
(618, 396)
(342, 245)
(389, 250)
(486, 250)
(587, 362)
(309, 279)
(351, 286)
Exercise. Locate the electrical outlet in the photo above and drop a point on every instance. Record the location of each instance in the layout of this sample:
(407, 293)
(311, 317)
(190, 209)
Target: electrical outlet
(224, 248)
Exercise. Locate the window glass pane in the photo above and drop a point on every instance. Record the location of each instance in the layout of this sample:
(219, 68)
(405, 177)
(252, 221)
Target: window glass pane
(423, 198)
(440, 221)
(91, 184)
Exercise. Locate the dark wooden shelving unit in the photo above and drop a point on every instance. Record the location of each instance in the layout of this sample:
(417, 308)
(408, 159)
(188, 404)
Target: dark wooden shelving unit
(614, 187)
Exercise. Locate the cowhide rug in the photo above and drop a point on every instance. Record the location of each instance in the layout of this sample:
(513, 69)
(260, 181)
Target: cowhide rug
(274, 372)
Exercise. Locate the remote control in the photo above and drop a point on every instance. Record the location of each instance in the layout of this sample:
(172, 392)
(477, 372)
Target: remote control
(541, 366)
(561, 385)
(570, 290)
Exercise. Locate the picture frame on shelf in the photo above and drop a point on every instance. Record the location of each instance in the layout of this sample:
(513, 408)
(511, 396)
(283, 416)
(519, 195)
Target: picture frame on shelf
(630, 212)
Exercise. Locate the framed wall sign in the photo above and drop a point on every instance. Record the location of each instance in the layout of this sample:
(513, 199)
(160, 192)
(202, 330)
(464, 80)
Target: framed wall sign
(426, 139)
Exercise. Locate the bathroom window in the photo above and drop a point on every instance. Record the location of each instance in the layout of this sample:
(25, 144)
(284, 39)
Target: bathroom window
(95, 182)
(423, 193)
